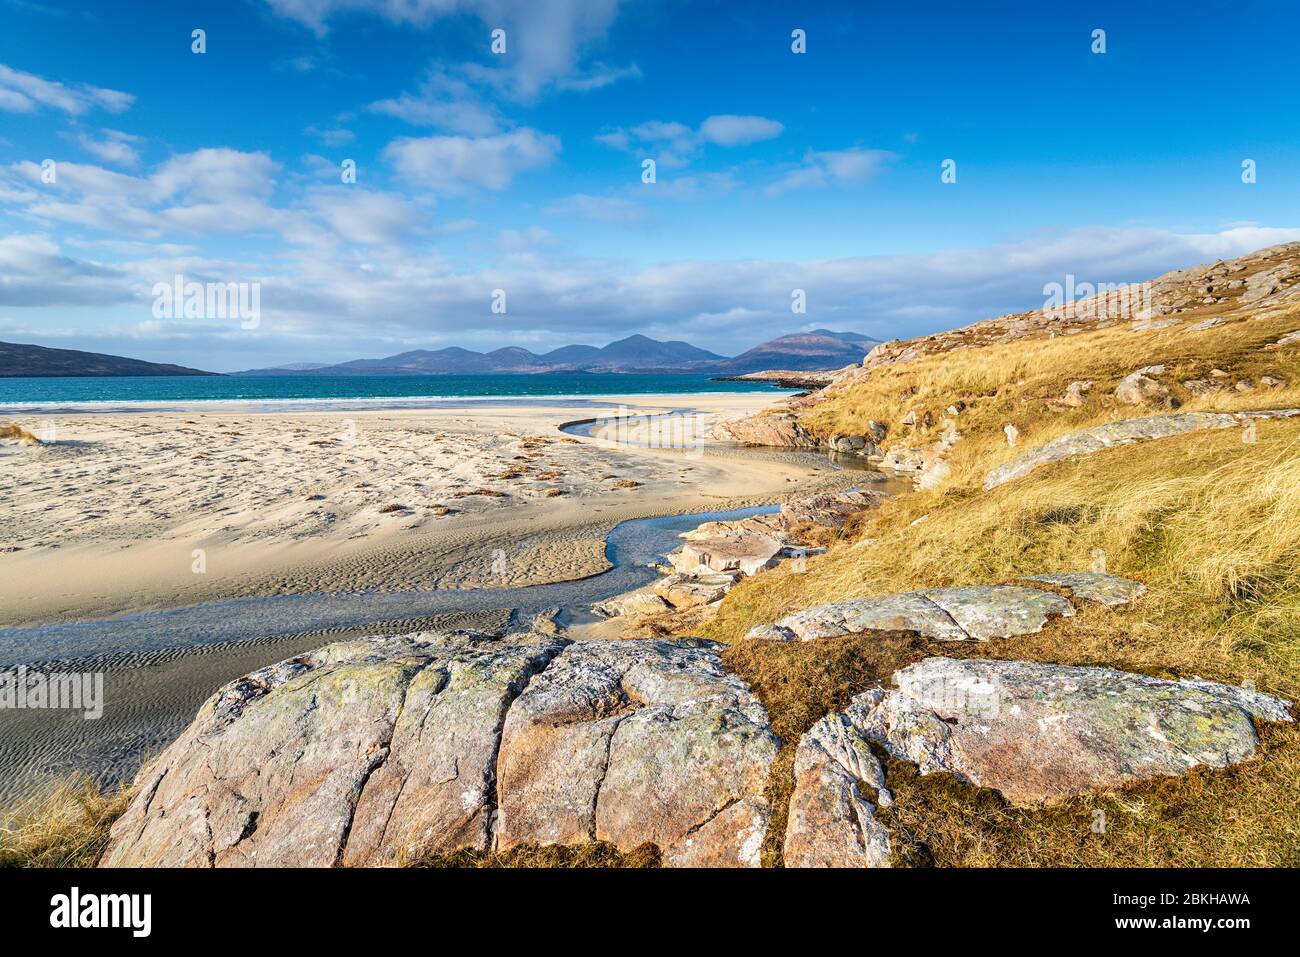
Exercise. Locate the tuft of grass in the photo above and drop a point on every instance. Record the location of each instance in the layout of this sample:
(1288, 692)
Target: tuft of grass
(65, 827)
(12, 430)
(596, 854)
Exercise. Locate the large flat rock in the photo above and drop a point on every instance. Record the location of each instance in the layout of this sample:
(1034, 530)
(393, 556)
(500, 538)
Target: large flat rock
(780, 430)
(687, 591)
(1043, 733)
(636, 741)
(1100, 587)
(968, 613)
(350, 754)
(744, 553)
(379, 750)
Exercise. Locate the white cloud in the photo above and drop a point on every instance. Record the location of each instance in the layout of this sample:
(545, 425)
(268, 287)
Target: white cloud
(599, 77)
(26, 92)
(449, 164)
(728, 130)
(446, 101)
(113, 146)
(34, 272)
(365, 217)
(672, 144)
(833, 168)
(544, 40)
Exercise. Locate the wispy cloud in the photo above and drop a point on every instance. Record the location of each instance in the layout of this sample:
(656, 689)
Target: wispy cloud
(833, 168)
(673, 144)
(113, 146)
(26, 93)
(451, 164)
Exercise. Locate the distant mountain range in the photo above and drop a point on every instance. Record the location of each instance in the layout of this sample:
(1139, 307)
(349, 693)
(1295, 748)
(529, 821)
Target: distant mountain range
(801, 351)
(17, 359)
(819, 349)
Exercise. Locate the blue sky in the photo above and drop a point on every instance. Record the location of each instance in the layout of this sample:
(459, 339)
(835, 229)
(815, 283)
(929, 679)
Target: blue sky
(523, 172)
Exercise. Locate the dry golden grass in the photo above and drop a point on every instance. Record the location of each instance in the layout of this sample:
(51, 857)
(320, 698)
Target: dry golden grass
(12, 430)
(551, 855)
(67, 827)
(1209, 522)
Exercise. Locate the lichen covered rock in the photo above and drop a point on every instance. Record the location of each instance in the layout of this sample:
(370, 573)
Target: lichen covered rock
(346, 755)
(636, 741)
(1043, 733)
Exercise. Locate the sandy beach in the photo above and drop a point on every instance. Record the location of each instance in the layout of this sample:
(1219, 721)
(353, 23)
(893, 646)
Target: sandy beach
(131, 512)
(138, 511)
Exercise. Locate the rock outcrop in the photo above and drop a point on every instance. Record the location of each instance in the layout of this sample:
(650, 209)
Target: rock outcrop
(831, 823)
(377, 750)
(1141, 387)
(1044, 733)
(688, 591)
(1123, 432)
(346, 755)
(779, 430)
(636, 741)
(968, 613)
(747, 553)
(1233, 288)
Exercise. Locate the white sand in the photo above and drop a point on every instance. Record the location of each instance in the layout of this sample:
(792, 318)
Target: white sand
(114, 514)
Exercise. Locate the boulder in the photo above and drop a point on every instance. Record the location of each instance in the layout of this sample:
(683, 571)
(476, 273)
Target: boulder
(643, 601)
(1076, 393)
(934, 474)
(352, 754)
(1139, 388)
(830, 822)
(687, 591)
(779, 430)
(904, 460)
(853, 445)
(831, 509)
(1044, 733)
(747, 554)
(638, 741)
(970, 613)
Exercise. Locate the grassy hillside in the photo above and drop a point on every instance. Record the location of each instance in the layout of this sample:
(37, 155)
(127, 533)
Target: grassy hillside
(1209, 521)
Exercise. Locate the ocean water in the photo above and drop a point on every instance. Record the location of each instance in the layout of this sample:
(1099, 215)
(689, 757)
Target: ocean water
(41, 393)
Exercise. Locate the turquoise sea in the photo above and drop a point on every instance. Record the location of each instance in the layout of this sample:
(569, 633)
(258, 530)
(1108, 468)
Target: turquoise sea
(46, 393)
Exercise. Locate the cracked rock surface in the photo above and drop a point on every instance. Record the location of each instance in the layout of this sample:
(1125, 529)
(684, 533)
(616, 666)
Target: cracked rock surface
(831, 823)
(372, 751)
(1044, 733)
(636, 741)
